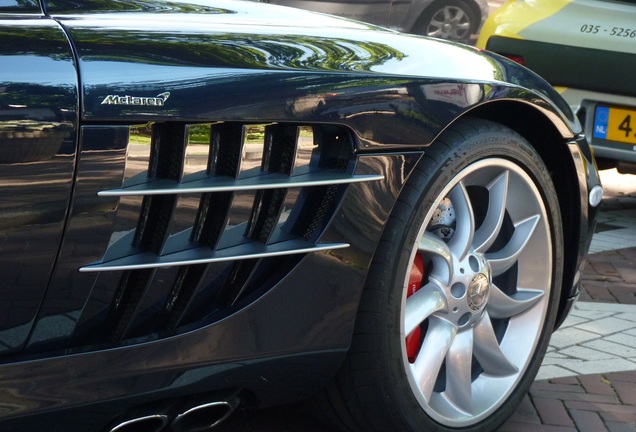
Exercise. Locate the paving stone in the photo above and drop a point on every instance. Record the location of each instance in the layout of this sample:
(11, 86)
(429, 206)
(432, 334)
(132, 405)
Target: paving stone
(627, 316)
(614, 412)
(621, 376)
(593, 311)
(585, 353)
(525, 413)
(572, 396)
(597, 292)
(526, 427)
(555, 358)
(620, 427)
(596, 384)
(625, 297)
(625, 338)
(617, 349)
(602, 310)
(588, 421)
(570, 380)
(575, 387)
(575, 336)
(628, 274)
(607, 326)
(628, 416)
(573, 320)
(626, 392)
(551, 411)
(601, 366)
(553, 371)
(602, 267)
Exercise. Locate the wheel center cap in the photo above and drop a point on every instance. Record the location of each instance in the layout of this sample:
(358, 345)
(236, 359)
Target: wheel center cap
(478, 291)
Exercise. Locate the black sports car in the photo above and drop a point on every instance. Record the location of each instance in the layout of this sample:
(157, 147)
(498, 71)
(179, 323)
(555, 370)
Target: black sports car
(214, 204)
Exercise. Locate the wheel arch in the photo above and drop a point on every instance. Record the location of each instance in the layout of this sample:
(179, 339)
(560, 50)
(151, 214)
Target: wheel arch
(546, 138)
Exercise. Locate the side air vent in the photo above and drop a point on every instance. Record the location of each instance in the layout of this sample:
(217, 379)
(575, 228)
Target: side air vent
(215, 221)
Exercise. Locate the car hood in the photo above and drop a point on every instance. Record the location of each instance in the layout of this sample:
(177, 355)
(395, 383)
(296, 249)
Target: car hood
(253, 34)
(125, 47)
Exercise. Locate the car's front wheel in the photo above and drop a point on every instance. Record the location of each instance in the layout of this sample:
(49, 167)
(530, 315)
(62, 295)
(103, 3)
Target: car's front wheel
(461, 298)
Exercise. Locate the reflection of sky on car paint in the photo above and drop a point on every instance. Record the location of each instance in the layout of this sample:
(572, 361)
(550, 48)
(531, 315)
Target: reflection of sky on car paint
(124, 73)
(467, 65)
(28, 69)
(267, 18)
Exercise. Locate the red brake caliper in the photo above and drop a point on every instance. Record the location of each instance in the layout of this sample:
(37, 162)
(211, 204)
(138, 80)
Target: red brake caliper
(414, 339)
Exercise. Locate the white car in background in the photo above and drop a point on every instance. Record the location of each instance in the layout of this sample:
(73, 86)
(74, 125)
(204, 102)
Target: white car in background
(587, 50)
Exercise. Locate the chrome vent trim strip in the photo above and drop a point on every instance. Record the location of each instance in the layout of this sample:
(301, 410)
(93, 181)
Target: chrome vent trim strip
(205, 255)
(228, 184)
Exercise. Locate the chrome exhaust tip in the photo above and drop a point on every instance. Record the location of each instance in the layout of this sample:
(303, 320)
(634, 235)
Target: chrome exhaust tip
(203, 417)
(149, 423)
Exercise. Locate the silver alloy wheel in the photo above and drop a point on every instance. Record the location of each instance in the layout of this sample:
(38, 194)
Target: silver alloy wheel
(482, 303)
(449, 22)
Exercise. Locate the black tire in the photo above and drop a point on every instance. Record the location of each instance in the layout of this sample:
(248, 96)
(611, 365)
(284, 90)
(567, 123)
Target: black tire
(488, 294)
(452, 20)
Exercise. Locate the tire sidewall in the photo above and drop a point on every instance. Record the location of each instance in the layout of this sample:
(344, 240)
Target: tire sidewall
(436, 170)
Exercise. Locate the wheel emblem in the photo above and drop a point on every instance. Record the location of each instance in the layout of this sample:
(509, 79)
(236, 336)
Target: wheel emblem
(478, 291)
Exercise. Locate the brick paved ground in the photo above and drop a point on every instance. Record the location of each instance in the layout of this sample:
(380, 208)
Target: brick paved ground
(595, 403)
(610, 277)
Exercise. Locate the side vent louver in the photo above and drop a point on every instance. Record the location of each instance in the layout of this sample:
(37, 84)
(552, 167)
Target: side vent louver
(215, 221)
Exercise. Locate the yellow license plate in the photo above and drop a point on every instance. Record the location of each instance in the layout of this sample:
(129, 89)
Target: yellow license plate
(615, 124)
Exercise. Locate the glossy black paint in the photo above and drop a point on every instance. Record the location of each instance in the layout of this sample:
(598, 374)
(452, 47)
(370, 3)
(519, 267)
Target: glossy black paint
(213, 72)
(38, 124)
(231, 61)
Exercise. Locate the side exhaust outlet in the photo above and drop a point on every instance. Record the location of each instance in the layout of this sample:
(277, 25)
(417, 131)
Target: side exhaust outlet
(150, 423)
(205, 416)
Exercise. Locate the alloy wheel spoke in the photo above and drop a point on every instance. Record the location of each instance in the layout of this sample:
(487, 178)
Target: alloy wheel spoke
(437, 22)
(434, 30)
(465, 222)
(501, 305)
(439, 253)
(502, 260)
(459, 30)
(421, 305)
(450, 14)
(490, 227)
(427, 366)
(460, 20)
(459, 371)
(488, 352)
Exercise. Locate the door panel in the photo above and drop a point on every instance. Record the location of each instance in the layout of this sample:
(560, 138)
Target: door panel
(38, 136)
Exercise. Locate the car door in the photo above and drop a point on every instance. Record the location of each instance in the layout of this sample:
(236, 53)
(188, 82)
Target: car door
(38, 136)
